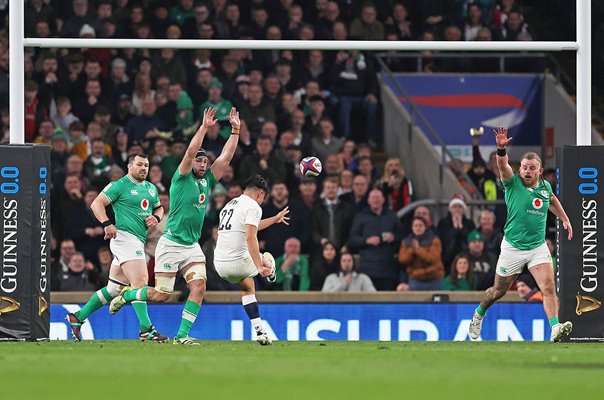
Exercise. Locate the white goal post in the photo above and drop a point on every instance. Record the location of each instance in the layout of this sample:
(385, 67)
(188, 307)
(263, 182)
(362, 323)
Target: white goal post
(582, 47)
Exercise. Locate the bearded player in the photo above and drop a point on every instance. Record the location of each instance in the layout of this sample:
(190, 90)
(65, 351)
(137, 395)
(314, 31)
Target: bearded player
(527, 197)
(178, 249)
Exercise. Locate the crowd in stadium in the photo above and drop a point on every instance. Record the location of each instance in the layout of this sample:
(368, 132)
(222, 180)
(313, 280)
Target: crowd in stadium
(94, 107)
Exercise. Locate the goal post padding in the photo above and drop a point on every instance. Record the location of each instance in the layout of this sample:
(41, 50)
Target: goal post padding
(26, 240)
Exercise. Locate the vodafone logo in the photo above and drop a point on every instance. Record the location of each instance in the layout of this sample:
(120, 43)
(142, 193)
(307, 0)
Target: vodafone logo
(537, 203)
(144, 204)
(202, 197)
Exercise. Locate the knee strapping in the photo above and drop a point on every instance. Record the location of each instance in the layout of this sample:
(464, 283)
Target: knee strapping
(164, 284)
(114, 287)
(195, 272)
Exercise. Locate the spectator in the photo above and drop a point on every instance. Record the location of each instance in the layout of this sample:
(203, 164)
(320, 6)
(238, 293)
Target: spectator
(167, 62)
(59, 152)
(61, 265)
(273, 240)
(528, 290)
(436, 14)
(395, 185)
(230, 27)
(98, 164)
(92, 98)
(146, 125)
(292, 268)
(182, 11)
(49, 85)
(365, 168)
(367, 27)
(348, 279)
(142, 90)
(190, 26)
(331, 218)
(514, 28)
(326, 144)
(46, 131)
(346, 179)
(420, 252)
(105, 259)
(323, 265)
(454, 229)
(358, 196)
(376, 234)
(482, 262)
(81, 16)
(80, 276)
(461, 276)
(263, 162)
(35, 111)
(222, 106)
(355, 87)
(492, 237)
(256, 111)
(473, 22)
(83, 228)
(62, 116)
(399, 24)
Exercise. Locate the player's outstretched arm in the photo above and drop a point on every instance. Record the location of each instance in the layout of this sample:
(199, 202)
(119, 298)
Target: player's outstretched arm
(98, 209)
(228, 151)
(556, 207)
(279, 218)
(253, 247)
(501, 138)
(208, 120)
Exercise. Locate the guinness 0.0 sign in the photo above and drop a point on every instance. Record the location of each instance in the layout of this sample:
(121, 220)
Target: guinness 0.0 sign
(24, 242)
(580, 279)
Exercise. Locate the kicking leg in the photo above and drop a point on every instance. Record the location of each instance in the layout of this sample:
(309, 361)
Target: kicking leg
(250, 304)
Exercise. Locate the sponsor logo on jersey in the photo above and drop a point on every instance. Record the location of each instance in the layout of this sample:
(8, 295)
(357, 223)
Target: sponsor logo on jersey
(151, 192)
(134, 192)
(203, 182)
(537, 203)
(167, 266)
(144, 204)
(202, 197)
(139, 252)
(502, 270)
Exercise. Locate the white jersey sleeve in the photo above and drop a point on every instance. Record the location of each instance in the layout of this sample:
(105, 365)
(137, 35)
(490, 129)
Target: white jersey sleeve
(236, 214)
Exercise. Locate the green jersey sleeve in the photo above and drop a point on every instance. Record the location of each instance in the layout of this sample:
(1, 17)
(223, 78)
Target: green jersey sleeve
(112, 191)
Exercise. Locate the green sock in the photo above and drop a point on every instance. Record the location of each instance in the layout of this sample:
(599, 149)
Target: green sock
(136, 294)
(553, 321)
(140, 307)
(480, 311)
(97, 300)
(189, 314)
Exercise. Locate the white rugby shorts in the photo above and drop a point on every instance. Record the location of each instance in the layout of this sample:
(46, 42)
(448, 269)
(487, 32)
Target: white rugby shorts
(126, 247)
(237, 270)
(511, 260)
(172, 257)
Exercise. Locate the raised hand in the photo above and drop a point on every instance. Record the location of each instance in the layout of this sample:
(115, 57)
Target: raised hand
(282, 217)
(208, 117)
(501, 137)
(234, 118)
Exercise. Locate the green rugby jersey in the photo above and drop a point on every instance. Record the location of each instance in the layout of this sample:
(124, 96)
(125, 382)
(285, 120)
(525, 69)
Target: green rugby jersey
(132, 202)
(189, 198)
(527, 212)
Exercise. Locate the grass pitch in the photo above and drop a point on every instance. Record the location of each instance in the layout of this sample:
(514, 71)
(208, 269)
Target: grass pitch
(301, 370)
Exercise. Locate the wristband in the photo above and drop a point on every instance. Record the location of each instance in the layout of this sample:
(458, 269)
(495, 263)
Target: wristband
(106, 223)
(235, 131)
(501, 152)
(157, 218)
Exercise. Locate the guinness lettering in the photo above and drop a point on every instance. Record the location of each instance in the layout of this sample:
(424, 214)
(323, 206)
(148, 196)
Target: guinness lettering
(589, 240)
(8, 283)
(43, 244)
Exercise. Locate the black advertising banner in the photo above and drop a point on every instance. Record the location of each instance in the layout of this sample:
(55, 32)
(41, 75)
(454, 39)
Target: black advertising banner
(580, 280)
(21, 221)
(41, 242)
